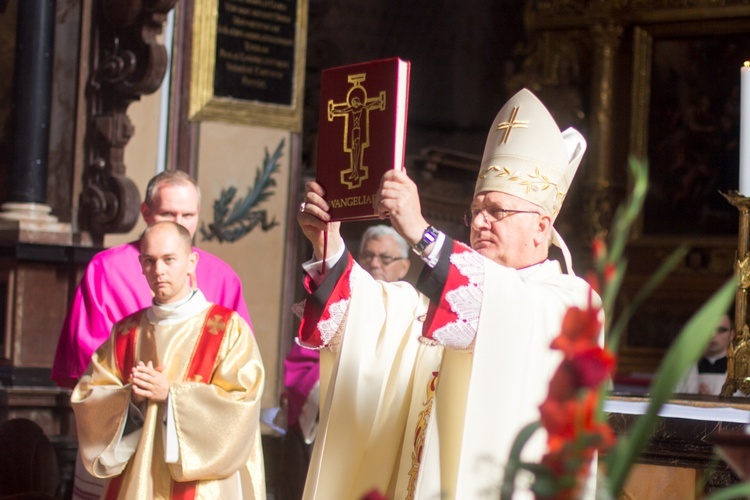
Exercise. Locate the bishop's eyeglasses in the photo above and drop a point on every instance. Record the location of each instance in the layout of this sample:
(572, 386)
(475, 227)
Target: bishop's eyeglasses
(492, 214)
(385, 259)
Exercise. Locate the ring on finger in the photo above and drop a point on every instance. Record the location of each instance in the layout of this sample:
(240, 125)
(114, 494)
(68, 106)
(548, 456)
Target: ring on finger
(302, 206)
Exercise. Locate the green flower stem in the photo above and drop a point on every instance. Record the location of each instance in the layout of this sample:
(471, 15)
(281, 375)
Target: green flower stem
(684, 352)
(674, 259)
(730, 492)
(514, 459)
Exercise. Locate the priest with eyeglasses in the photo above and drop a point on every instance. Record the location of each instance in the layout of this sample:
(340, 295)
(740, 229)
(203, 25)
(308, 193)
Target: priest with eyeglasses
(424, 389)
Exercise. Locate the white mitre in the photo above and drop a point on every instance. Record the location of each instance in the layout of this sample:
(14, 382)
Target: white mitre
(527, 156)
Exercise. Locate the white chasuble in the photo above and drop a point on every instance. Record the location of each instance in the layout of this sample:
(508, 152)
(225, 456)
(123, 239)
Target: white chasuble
(426, 404)
(214, 424)
(367, 398)
(522, 313)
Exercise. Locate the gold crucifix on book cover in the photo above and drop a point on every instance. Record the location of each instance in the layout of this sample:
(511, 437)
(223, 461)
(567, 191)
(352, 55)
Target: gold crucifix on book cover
(361, 132)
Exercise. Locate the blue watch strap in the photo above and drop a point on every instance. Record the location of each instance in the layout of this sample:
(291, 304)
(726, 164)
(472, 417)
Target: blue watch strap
(429, 236)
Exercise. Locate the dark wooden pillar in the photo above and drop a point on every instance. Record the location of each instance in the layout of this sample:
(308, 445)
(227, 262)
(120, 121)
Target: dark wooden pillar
(32, 85)
(32, 93)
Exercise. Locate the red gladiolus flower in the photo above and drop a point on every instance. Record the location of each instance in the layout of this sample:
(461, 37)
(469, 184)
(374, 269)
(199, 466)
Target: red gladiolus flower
(558, 418)
(573, 436)
(564, 383)
(566, 419)
(569, 414)
(580, 330)
(599, 248)
(374, 495)
(610, 271)
(593, 280)
(592, 366)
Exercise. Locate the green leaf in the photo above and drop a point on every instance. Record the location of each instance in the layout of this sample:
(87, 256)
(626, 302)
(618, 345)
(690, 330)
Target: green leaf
(674, 259)
(734, 491)
(707, 473)
(544, 487)
(627, 214)
(609, 294)
(684, 352)
(514, 459)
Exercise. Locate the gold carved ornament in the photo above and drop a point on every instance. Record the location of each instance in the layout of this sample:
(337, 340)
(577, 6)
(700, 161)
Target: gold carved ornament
(738, 358)
(743, 272)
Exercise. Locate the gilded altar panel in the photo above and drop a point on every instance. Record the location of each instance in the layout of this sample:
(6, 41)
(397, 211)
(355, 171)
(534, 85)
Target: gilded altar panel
(657, 79)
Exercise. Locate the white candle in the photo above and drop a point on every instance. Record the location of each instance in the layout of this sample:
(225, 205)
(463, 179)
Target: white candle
(745, 129)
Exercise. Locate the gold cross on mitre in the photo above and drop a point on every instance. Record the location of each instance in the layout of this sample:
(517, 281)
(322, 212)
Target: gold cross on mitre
(511, 124)
(215, 324)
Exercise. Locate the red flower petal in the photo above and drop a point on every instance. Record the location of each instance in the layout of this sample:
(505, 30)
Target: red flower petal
(599, 248)
(564, 383)
(593, 280)
(374, 495)
(610, 271)
(580, 330)
(592, 366)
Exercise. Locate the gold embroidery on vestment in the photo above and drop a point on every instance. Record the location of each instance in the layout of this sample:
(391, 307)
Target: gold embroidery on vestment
(215, 324)
(420, 435)
(124, 327)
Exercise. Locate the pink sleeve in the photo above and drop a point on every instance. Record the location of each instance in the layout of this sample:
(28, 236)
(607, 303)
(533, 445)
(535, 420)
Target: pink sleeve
(84, 318)
(301, 373)
(220, 284)
(239, 304)
(111, 288)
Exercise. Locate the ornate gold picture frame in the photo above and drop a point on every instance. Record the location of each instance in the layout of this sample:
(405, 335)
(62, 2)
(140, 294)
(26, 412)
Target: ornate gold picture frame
(248, 62)
(684, 75)
(685, 120)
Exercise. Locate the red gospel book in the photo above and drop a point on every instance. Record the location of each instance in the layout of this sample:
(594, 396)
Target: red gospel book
(361, 132)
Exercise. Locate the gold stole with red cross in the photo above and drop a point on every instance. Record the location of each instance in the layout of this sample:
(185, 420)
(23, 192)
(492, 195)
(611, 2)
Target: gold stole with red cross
(200, 369)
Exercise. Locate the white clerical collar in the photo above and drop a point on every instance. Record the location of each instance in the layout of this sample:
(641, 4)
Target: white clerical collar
(525, 272)
(714, 359)
(170, 314)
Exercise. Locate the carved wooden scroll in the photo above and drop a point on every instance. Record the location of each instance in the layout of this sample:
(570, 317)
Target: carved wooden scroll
(126, 63)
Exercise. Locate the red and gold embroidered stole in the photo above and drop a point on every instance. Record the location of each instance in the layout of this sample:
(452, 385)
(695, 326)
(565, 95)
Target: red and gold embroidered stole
(200, 369)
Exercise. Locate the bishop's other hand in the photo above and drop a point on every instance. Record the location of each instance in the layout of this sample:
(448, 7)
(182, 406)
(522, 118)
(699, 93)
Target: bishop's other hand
(314, 220)
(398, 200)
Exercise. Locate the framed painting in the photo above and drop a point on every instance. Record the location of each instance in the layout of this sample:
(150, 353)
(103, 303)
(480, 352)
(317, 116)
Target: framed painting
(685, 119)
(248, 62)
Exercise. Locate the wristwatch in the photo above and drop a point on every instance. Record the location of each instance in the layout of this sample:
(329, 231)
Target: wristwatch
(429, 236)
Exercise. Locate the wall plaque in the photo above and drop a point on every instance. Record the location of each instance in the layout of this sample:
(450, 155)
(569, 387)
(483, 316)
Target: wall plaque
(248, 62)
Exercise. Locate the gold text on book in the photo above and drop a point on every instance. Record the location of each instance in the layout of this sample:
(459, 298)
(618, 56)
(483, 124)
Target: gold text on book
(352, 201)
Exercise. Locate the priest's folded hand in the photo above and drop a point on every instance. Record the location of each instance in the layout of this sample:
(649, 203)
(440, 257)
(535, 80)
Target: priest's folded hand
(149, 382)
